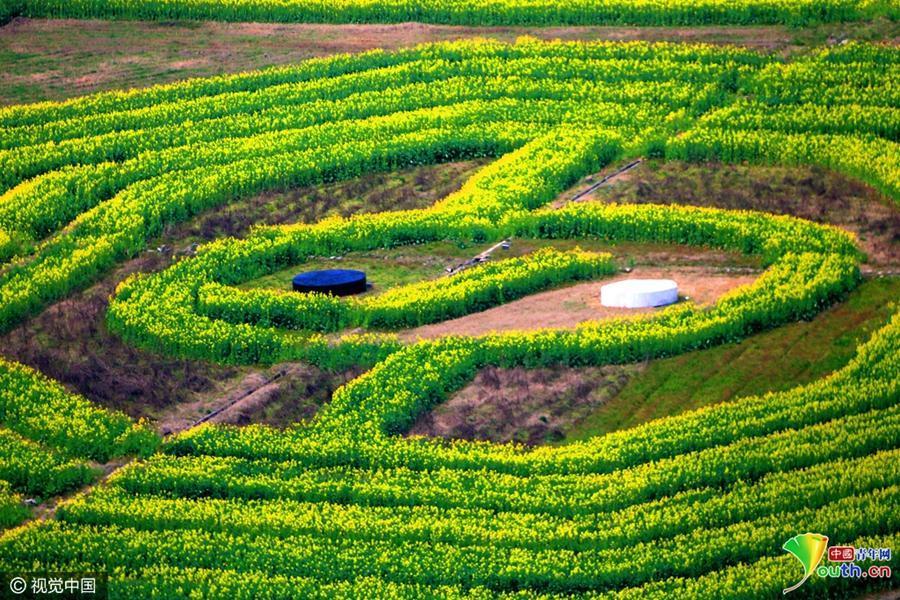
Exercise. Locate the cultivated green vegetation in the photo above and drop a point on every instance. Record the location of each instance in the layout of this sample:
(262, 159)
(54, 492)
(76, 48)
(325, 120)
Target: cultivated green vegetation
(468, 12)
(343, 504)
(49, 435)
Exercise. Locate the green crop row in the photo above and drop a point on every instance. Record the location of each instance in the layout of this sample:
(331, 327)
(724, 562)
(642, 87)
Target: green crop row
(748, 581)
(47, 433)
(502, 77)
(868, 381)
(411, 305)
(119, 227)
(562, 495)
(42, 205)
(32, 469)
(42, 410)
(468, 12)
(870, 159)
(173, 140)
(882, 121)
(344, 64)
(157, 312)
(435, 563)
(629, 104)
(9, 246)
(765, 577)
(12, 511)
(871, 79)
(742, 500)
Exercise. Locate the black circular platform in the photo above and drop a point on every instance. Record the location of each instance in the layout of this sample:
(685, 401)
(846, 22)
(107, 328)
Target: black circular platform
(337, 282)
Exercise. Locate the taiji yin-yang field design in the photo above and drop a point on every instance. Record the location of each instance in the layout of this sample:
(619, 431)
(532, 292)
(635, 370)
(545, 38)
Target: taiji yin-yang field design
(449, 299)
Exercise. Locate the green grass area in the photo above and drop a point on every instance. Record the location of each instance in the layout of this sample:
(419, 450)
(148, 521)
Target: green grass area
(775, 360)
(384, 269)
(381, 274)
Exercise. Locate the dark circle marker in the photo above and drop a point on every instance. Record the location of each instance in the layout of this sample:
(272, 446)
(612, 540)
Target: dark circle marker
(337, 282)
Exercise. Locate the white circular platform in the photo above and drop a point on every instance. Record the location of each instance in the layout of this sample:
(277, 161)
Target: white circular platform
(639, 293)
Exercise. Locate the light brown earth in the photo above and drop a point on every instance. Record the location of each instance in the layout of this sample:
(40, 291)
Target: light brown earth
(51, 59)
(281, 395)
(255, 389)
(524, 405)
(570, 306)
(59, 58)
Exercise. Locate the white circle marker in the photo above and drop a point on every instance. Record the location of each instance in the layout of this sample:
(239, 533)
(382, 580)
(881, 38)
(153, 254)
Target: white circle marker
(639, 293)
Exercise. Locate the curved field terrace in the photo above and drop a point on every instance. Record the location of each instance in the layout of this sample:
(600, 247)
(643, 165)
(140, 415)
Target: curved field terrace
(473, 423)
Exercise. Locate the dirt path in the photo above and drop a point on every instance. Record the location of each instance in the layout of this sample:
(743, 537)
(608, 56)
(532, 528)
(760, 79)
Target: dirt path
(570, 306)
(593, 182)
(47, 509)
(252, 393)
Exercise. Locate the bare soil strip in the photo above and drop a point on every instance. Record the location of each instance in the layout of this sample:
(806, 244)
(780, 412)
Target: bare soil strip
(531, 406)
(47, 509)
(605, 180)
(570, 306)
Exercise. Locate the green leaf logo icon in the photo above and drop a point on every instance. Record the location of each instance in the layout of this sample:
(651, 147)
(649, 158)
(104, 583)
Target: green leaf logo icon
(808, 548)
